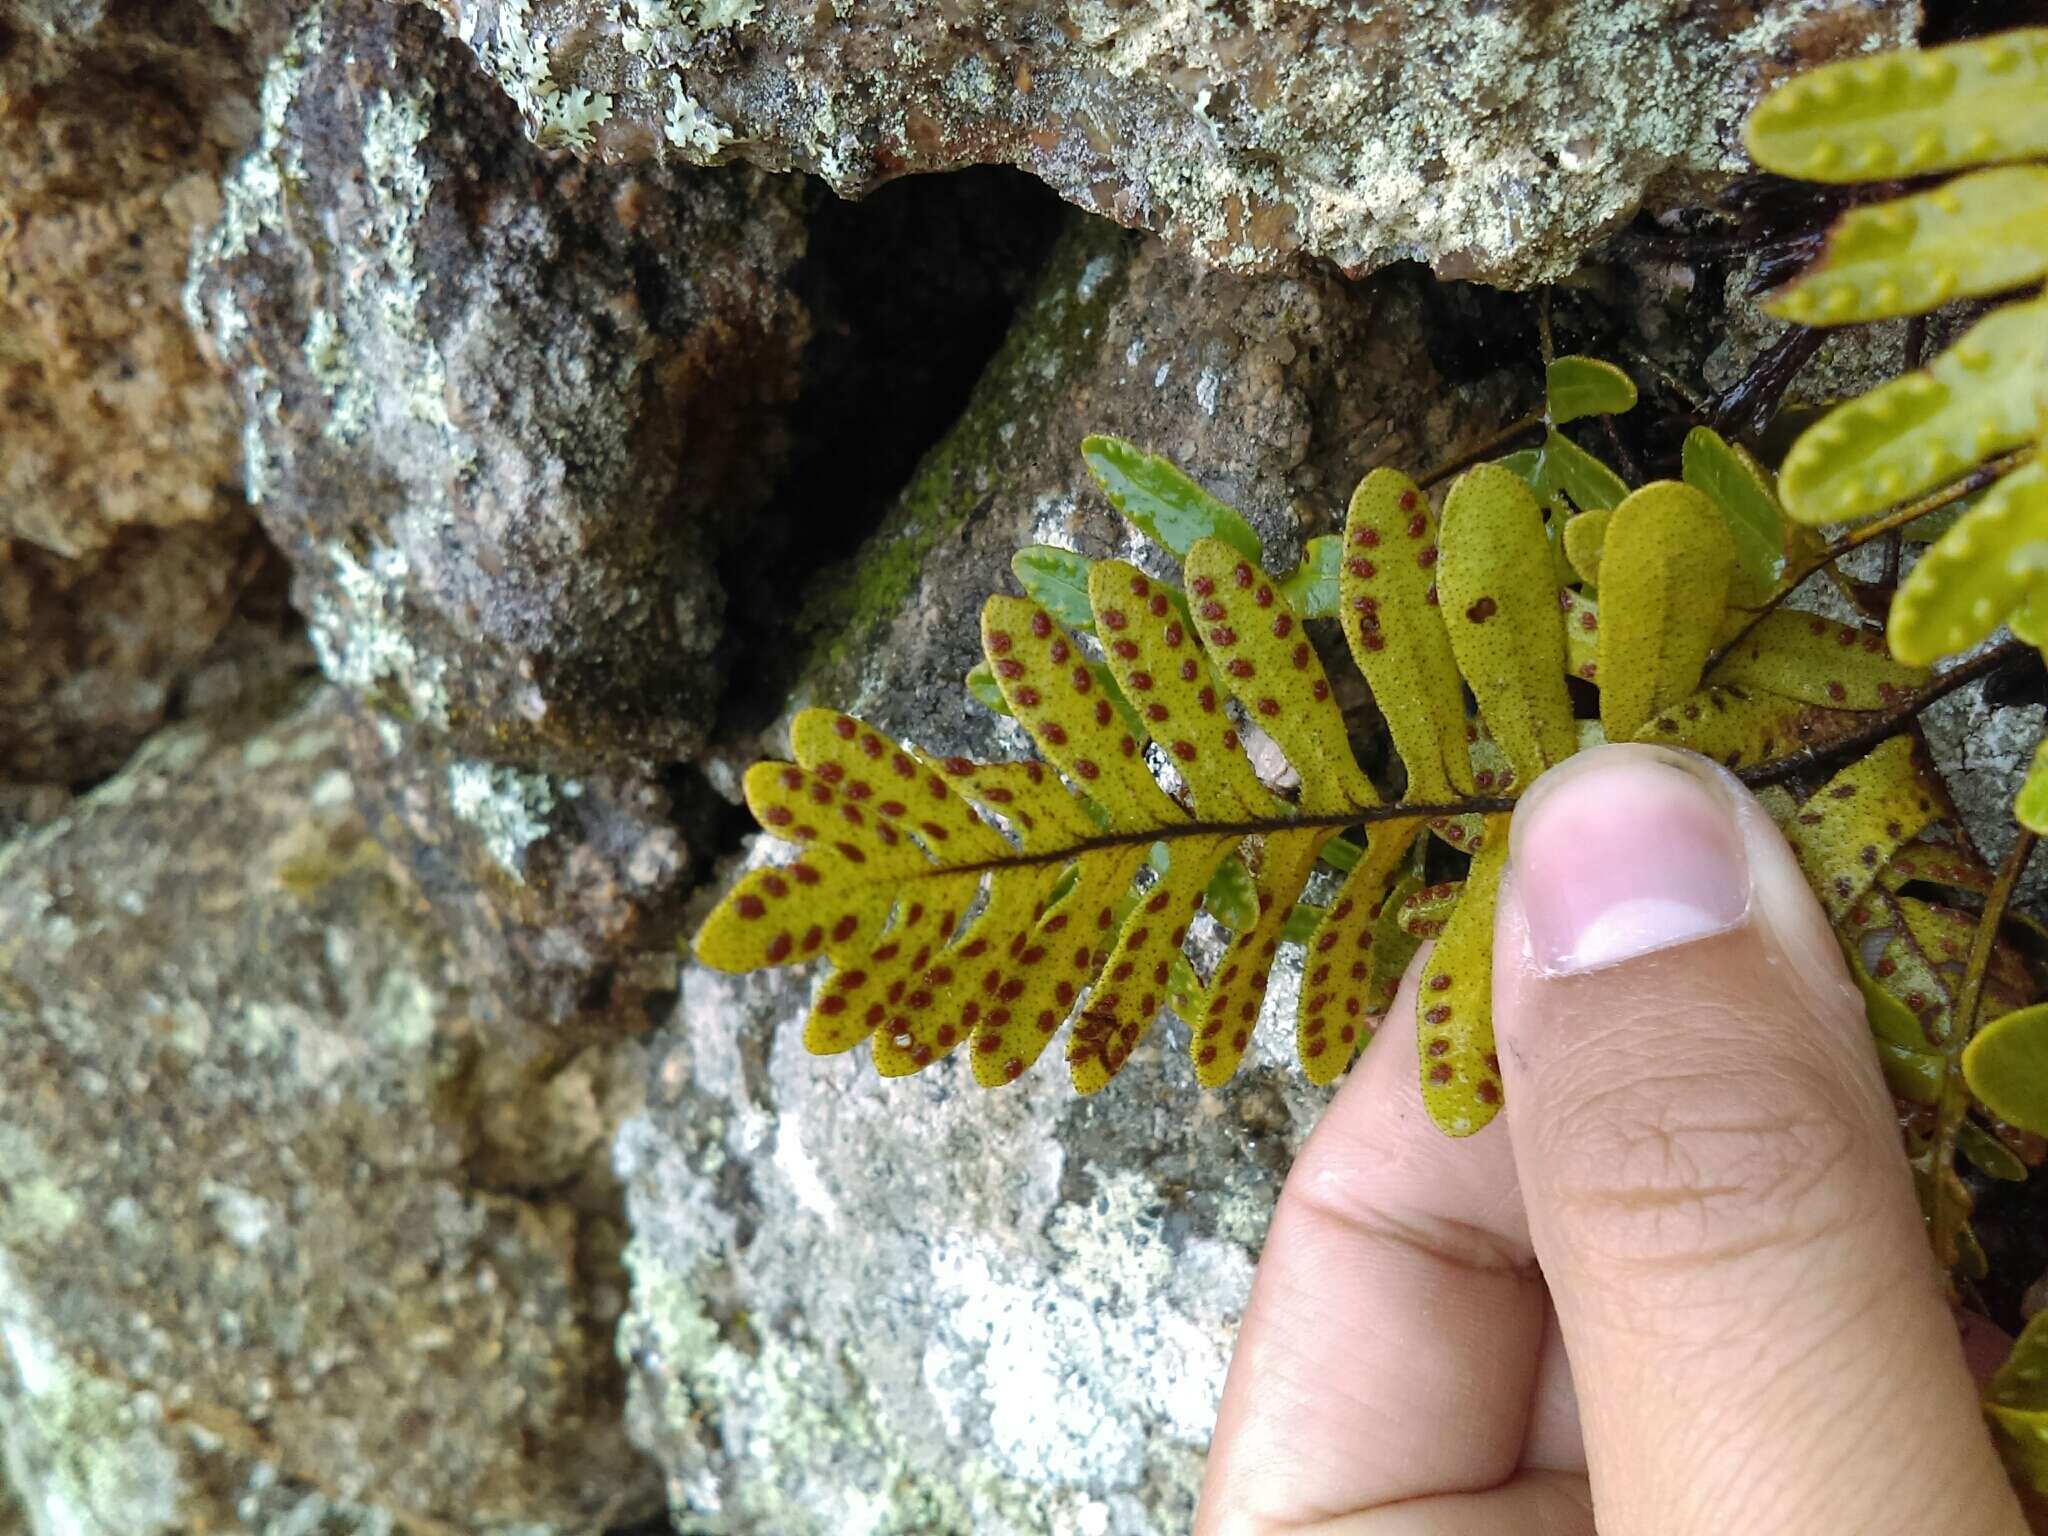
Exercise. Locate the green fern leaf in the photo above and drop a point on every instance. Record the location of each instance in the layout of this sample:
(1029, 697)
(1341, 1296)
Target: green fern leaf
(1312, 586)
(1499, 602)
(2016, 1403)
(1977, 573)
(1858, 821)
(1667, 558)
(1058, 578)
(1876, 933)
(1920, 431)
(1264, 656)
(1223, 1028)
(1988, 1155)
(1461, 1085)
(1909, 113)
(1741, 726)
(1581, 634)
(1587, 480)
(1574, 387)
(1425, 910)
(1387, 586)
(1162, 502)
(2031, 808)
(1747, 495)
(2006, 1066)
(1233, 895)
(1336, 1009)
(1981, 234)
(1584, 537)
(1929, 860)
(1816, 660)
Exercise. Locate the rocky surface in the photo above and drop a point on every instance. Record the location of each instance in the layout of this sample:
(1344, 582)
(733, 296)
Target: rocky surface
(564, 891)
(1276, 393)
(503, 409)
(124, 544)
(263, 1262)
(345, 1184)
(869, 1307)
(1487, 140)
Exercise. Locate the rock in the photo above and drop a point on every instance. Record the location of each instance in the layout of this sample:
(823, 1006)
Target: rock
(1277, 394)
(124, 545)
(504, 409)
(114, 133)
(1489, 141)
(868, 1307)
(306, 1228)
(864, 1306)
(94, 650)
(566, 892)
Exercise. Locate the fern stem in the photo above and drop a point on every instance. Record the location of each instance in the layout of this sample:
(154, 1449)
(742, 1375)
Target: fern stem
(1945, 1214)
(1486, 450)
(1809, 760)
(1912, 511)
(1886, 723)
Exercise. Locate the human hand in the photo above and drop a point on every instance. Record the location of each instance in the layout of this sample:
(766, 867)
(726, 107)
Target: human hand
(1680, 1286)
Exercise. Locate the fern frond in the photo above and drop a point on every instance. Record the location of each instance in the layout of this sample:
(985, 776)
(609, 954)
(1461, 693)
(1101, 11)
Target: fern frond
(1498, 599)
(1923, 430)
(986, 905)
(1387, 586)
(1858, 821)
(1909, 113)
(1976, 574)
(1817, 660)
(1746, 494)
(1982, 234)
(1662, 603)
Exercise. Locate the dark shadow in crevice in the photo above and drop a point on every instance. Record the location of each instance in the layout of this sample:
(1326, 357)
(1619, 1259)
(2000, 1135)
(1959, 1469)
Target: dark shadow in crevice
(910, 291)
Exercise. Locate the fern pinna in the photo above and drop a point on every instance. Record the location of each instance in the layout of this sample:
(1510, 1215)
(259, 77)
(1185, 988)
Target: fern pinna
(982, 906)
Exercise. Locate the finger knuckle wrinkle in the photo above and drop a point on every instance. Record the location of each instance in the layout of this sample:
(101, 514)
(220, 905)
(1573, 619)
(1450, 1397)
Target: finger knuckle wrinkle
(1705, 1176)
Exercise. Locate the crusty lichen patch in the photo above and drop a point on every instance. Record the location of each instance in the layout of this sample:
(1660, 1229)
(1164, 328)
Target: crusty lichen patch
(1488, 140)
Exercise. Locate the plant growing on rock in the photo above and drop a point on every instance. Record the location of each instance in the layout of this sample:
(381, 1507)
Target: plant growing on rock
(1964, 432)
(982, 905)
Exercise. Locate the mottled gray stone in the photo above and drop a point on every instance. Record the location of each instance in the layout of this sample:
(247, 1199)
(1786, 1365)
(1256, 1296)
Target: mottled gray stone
(502, 409)
(1488, 140)
(564, 891)
(305, 1228)
(864, 1306)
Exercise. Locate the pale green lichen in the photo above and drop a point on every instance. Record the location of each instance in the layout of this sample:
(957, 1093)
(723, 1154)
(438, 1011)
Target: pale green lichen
(87, 1458)
(253, 200)
(556, 116)
(360, 636)
(691, 129)
(1488, 140)
(508, 807)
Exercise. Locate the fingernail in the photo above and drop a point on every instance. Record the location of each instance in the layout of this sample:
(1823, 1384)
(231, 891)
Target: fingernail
(1626, 850)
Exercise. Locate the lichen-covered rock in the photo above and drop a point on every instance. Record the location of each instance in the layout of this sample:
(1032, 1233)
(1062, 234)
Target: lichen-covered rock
(1278, 394)
(862, 1306)
(307, 1229)
(503, 409)
(1488, 140)
(124, 544)
(564, 891)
